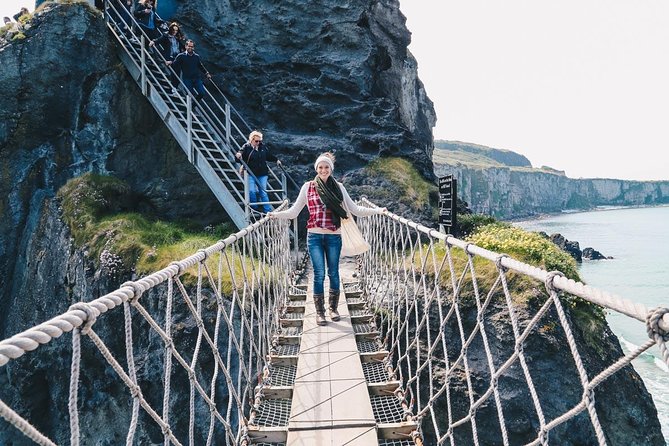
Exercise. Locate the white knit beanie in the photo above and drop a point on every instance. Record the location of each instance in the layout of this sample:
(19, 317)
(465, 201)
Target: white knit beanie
(324, 159)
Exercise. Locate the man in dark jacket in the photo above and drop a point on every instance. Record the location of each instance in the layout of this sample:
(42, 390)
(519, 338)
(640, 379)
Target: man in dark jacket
(189, 65)
(256, 155)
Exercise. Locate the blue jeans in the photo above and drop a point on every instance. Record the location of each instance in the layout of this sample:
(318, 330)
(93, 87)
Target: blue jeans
(195, 85)
(258, 192)
(324, 248)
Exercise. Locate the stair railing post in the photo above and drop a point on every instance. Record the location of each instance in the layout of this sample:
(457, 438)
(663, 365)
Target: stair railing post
(143, 66)
(247, 208)
(189, 127)
(296, 253)
(228, 132)
(247, 197)
(284, 186)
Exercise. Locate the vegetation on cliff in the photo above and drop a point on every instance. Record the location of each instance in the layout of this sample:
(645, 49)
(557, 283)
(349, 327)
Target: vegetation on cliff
(527, 247)
(106, 218)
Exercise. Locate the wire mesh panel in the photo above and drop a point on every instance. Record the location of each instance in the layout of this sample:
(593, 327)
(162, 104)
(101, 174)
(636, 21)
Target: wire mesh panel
(273, 412)
(364, 328)
(287, 349)
(358, 312)
(397, 443)
(368, 345)
(387, 409)
(291, 331)
(375, 372)
(282, 375)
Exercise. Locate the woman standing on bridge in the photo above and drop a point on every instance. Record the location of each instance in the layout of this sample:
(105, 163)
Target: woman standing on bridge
(327, 201)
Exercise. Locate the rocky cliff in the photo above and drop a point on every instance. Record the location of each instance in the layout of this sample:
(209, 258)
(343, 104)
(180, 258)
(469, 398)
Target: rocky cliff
(493, 182)
(339, 78)
(68, 106)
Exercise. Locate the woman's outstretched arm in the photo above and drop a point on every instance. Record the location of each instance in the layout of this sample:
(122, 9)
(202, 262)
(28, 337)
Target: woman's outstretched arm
(295, 209)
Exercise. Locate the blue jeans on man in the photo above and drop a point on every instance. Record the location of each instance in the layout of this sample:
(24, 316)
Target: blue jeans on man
(258, 192)
(196, 86)
(324, 248)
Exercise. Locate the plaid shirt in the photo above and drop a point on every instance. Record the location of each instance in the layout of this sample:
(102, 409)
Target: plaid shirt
(319, 215)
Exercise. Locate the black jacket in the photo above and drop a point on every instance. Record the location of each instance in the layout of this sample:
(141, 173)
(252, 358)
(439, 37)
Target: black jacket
(164, 45)
(257, 159)
(189, 66)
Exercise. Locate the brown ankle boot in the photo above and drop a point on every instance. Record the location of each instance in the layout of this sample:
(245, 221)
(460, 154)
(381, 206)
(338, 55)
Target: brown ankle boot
(319, 302)
(333, 304)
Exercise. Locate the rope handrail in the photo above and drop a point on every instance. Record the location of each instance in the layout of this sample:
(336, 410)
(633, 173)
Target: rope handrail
(600, 297)
(457, 338)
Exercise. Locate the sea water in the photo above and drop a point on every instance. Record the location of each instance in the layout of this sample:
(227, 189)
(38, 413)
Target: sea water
(638, 241)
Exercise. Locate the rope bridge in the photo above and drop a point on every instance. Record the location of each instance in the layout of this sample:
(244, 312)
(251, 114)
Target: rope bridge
(468, 352)
(465, 352)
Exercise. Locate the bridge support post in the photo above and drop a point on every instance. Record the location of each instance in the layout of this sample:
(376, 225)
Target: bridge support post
(284, 187)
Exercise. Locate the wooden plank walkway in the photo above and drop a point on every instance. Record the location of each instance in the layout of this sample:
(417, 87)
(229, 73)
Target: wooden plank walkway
(331, 404)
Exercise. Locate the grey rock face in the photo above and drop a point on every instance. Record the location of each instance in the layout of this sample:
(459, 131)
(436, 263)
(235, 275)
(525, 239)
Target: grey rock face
(337, 77)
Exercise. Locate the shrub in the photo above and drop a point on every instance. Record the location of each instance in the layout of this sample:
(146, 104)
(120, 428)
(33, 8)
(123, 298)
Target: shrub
(528, 247)
(532, 248)
(467, 224)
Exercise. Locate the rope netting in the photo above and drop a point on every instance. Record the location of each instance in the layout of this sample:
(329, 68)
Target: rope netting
(185, 353)
(490, 350)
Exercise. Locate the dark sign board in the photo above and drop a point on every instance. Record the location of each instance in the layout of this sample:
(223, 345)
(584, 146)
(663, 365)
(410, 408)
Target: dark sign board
(448, 193)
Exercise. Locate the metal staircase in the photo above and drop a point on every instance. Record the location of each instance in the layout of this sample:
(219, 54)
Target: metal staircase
(209, 131)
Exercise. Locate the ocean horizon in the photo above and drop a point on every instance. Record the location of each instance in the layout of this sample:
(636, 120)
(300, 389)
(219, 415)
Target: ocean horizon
(636, 238)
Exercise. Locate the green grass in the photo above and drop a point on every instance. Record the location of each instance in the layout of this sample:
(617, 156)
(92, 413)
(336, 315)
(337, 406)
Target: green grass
(527, 247)
(414, 188)
(99, 212)
(532, 248)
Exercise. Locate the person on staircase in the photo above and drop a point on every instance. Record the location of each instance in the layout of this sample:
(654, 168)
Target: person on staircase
(147, 18)
(190, 66)
(327, 201)
(170, 45)
(255, 154)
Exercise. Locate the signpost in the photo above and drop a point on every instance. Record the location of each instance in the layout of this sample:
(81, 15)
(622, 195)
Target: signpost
(448, 193)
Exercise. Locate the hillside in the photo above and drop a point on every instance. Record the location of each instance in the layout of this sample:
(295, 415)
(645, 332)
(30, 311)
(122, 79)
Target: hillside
(504, 184)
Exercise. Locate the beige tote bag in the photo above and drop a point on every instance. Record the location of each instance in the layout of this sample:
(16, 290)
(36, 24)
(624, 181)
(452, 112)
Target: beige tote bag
(352, 241)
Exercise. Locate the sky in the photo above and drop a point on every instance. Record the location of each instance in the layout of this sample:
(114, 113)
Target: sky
(576, 85)
(580, 86)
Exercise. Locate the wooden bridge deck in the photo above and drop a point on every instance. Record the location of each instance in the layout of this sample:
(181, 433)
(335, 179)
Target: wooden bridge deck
(331, 404)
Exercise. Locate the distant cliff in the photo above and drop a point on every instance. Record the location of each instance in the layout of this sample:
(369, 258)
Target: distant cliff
(504, 184)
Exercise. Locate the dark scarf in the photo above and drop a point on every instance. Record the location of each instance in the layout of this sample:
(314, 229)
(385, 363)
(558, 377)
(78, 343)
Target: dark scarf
(331, 195)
